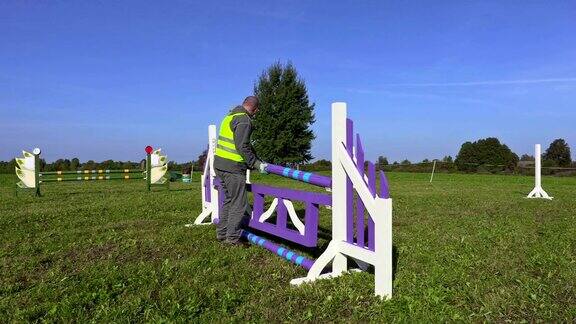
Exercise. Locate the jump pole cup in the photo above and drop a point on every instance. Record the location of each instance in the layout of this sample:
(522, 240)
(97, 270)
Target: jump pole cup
(148, 150)
(36, 153)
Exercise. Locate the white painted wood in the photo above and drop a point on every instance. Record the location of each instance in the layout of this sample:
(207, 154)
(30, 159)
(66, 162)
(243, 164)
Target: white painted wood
(209, 208)
(361, 188)
(383, 249)
(339, 195)
(268, 213)
(538, 191)
(294, 217)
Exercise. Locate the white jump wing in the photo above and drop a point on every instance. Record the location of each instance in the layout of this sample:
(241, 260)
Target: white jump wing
(27, 177)
(157, 173)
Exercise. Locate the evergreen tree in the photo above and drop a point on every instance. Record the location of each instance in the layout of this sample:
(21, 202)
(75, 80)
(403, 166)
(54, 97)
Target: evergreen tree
(282, 133)
(447, 159)
(559, 152)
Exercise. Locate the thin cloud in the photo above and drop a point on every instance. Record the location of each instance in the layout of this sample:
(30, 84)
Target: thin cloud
(481, 83)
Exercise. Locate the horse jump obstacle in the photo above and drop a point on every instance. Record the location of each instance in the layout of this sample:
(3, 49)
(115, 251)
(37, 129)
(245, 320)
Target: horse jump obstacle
(28, 171)
(538, 192)
(348, 228)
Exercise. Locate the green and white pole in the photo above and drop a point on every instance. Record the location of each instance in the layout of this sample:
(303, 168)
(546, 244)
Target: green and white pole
(149, 151)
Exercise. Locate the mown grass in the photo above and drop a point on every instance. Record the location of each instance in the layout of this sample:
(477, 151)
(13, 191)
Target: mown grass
(468, 247)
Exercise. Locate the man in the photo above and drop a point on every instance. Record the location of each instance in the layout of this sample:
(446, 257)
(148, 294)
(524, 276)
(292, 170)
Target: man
(234, 155)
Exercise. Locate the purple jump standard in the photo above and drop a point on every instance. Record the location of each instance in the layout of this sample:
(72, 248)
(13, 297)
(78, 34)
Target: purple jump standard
(308, 177)
(277, 249)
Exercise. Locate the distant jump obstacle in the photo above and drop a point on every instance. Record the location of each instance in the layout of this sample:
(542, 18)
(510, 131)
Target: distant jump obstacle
(538, 192)
(28, 171)
(367, 241)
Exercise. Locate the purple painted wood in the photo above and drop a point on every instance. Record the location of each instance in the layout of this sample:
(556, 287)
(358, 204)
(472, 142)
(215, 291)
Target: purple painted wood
(308, 177)
(292, 194)
(349, 189)
(312, 202)
(281, 214)
(207, 187)
(372, 186)
(359, 204)
(384, 188)
(221, 196)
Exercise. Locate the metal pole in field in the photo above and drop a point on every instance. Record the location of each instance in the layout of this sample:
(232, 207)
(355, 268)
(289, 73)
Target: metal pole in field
(148, 150)
(36, 153)
(433, 168)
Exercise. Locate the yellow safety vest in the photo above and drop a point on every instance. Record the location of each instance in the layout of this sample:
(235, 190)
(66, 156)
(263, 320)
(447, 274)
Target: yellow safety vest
(225, 147)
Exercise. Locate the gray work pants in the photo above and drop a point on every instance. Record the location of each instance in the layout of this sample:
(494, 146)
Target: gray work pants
(236, 212)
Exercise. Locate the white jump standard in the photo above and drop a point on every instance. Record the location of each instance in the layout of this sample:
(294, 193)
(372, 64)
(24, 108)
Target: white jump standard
(538, 192)
(364, 241)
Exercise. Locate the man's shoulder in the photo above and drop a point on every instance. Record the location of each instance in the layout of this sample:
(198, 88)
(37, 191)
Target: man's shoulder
(240, 118)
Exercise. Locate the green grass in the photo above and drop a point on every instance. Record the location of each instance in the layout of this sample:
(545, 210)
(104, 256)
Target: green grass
(468, 247)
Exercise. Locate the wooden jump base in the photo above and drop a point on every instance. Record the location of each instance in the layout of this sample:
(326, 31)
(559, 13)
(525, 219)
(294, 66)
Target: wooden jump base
(372, 213)
(28, 171)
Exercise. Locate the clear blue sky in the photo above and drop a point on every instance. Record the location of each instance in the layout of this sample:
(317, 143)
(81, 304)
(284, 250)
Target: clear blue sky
(102, 79)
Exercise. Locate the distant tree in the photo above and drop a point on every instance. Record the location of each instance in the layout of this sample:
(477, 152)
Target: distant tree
(559, 152)
(526, 157)
(172, 165)
(282, 133)
(319, 165)
(9, 167)
(57, 165)
(44, 166)
(485, 151)
(382, 162)
(74, 164)
(425, 161)
(447, 159)
(406, 162)
(107, 165)
(395, 163)
(127, 165)
(90, 165)
(202, 160)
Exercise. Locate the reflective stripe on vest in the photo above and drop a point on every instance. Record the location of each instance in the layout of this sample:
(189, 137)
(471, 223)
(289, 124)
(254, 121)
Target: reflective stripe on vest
(226, 148)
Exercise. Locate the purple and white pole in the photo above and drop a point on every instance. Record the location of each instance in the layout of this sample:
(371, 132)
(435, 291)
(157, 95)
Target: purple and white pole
(308, 177)
(279, 250)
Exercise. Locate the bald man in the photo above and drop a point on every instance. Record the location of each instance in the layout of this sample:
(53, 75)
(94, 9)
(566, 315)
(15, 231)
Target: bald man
(234, 155)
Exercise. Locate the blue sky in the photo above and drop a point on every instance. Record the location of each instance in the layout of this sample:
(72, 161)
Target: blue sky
(102, 79)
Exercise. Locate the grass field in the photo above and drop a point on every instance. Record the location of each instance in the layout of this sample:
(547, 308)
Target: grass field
(467, 247)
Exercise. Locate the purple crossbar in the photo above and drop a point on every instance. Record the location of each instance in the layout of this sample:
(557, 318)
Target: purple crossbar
(308, 177)
(279, 250)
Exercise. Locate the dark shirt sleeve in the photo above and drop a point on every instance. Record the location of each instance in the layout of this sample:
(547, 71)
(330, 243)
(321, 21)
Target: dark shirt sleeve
(242, 128)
